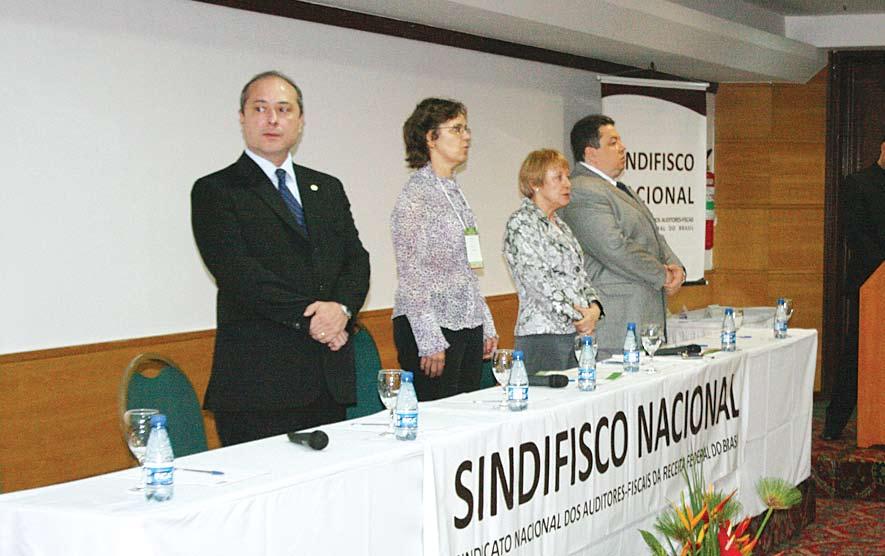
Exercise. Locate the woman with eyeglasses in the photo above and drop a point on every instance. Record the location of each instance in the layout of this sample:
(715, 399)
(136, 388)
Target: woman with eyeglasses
(442, 326)
(545, 259)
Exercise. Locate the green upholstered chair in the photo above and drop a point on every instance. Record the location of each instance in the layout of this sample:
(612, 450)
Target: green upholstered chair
(169, 391)
(488, 378)
(368, 363)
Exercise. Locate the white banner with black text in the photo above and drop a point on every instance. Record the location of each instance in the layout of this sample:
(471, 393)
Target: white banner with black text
(664, 127)
(578, 466)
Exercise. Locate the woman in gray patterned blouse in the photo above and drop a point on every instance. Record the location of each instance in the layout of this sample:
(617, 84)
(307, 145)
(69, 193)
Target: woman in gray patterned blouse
(442, 326)
(556, 299)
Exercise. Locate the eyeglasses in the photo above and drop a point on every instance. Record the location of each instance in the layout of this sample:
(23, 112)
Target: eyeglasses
(458, 129)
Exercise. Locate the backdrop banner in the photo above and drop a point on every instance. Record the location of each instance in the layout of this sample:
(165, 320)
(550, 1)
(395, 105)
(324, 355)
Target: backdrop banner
(580, 467)
(664, 126)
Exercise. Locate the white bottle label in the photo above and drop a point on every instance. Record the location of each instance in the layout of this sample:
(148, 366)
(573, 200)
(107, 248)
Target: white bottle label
(406, 419)
(517, 393)
(158, 474)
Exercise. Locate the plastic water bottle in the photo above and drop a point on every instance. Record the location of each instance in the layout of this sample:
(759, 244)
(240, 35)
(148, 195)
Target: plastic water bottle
(780, 319)
(159, 463)
(518, 385)
(631, 349)
(729, 332)
(587, 366)
(406, 412)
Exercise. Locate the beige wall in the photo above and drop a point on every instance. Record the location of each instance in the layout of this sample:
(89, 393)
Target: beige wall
(58, 407)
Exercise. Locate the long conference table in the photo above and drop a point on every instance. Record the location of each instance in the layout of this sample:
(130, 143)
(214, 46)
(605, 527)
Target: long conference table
(575, 472)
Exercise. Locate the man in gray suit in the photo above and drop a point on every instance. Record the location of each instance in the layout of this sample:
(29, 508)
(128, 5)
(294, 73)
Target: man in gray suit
(628, 261)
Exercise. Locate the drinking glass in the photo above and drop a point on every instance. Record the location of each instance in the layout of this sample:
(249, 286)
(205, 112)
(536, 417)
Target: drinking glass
(388, 388)
(502, 363)
(136, 430)
(652, 336)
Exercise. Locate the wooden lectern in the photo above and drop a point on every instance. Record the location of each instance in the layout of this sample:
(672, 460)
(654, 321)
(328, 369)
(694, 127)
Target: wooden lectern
(871, 361)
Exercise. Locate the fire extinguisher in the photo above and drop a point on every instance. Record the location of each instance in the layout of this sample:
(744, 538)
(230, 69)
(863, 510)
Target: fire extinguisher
(710, 212)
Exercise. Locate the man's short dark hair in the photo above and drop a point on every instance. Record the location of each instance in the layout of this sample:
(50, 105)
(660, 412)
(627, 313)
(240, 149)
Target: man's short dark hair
(427, 116)
(271, 73)
(585, 134)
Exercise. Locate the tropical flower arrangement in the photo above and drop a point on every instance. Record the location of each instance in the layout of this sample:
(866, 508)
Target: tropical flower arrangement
(705, 525)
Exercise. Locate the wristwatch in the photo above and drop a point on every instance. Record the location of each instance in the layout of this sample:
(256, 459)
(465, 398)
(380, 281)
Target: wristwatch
(345, 310)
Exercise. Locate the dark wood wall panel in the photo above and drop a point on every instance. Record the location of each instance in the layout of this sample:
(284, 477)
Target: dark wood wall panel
(855, 128)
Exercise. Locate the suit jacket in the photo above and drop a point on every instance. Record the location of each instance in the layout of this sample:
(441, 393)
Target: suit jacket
(268, 271)
(864, 208)
(623, 252)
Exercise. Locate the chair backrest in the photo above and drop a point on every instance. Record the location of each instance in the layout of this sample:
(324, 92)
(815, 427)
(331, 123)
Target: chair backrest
(171, 392)
(368, 363)
(488, 377)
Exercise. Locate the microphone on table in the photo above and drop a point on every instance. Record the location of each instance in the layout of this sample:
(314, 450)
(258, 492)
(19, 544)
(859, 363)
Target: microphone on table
(550, 381)
(316, 439)
(685, 351)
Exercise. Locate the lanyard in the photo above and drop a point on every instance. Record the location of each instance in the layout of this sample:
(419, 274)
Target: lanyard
(457, 214)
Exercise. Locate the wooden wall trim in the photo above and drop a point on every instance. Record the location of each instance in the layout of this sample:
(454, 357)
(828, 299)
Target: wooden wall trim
(37, 448)
(67, 351)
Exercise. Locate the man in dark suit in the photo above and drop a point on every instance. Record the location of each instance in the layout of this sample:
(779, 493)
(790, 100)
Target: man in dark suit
(629, 262)
(864, 217)
(291, 272)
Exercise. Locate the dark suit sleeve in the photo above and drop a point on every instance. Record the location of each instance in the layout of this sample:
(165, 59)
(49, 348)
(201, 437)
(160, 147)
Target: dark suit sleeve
(866, 236)
(237, 274)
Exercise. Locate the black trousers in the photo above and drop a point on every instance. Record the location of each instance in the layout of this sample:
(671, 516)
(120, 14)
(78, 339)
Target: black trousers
(843, 398)
(463, 368)
(235, 427)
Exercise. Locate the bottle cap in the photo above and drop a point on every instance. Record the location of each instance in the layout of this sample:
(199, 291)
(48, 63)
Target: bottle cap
(406, 376)
(780, 300)
(587, 340)
(518, 355)
(631, 326)
(158, 419)
(729, 311)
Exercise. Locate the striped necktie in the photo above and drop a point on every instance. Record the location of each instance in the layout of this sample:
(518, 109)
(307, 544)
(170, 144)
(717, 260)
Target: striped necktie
(290, 200)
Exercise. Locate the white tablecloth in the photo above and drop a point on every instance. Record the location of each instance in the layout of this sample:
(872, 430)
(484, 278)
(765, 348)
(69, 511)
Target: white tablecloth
(367, 494)
(691, 325)
(772, 386)
(356, 497)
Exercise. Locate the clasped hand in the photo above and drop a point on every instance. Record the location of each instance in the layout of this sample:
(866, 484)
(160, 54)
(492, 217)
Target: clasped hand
(327, 323)
(589, 318)
(674, 278)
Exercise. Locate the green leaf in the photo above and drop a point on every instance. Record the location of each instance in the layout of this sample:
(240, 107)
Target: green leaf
(777, 494)
(656, 548)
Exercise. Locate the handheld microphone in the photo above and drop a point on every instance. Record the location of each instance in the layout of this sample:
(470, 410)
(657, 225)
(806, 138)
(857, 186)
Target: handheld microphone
(550, 381)
(316, 439)
(688, 349)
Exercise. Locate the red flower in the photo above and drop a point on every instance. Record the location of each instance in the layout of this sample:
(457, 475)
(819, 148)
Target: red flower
(733, 542)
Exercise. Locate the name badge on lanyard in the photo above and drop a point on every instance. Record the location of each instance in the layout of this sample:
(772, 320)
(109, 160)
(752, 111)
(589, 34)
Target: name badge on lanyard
(471, 236)
(471, 242)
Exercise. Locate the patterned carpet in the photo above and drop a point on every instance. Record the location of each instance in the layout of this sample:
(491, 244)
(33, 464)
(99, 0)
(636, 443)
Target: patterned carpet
(840, 469)
(849, 484)
(842, 528)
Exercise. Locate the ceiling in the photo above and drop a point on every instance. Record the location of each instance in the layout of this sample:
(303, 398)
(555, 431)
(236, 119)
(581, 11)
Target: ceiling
(677, 39)
(821, 7)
